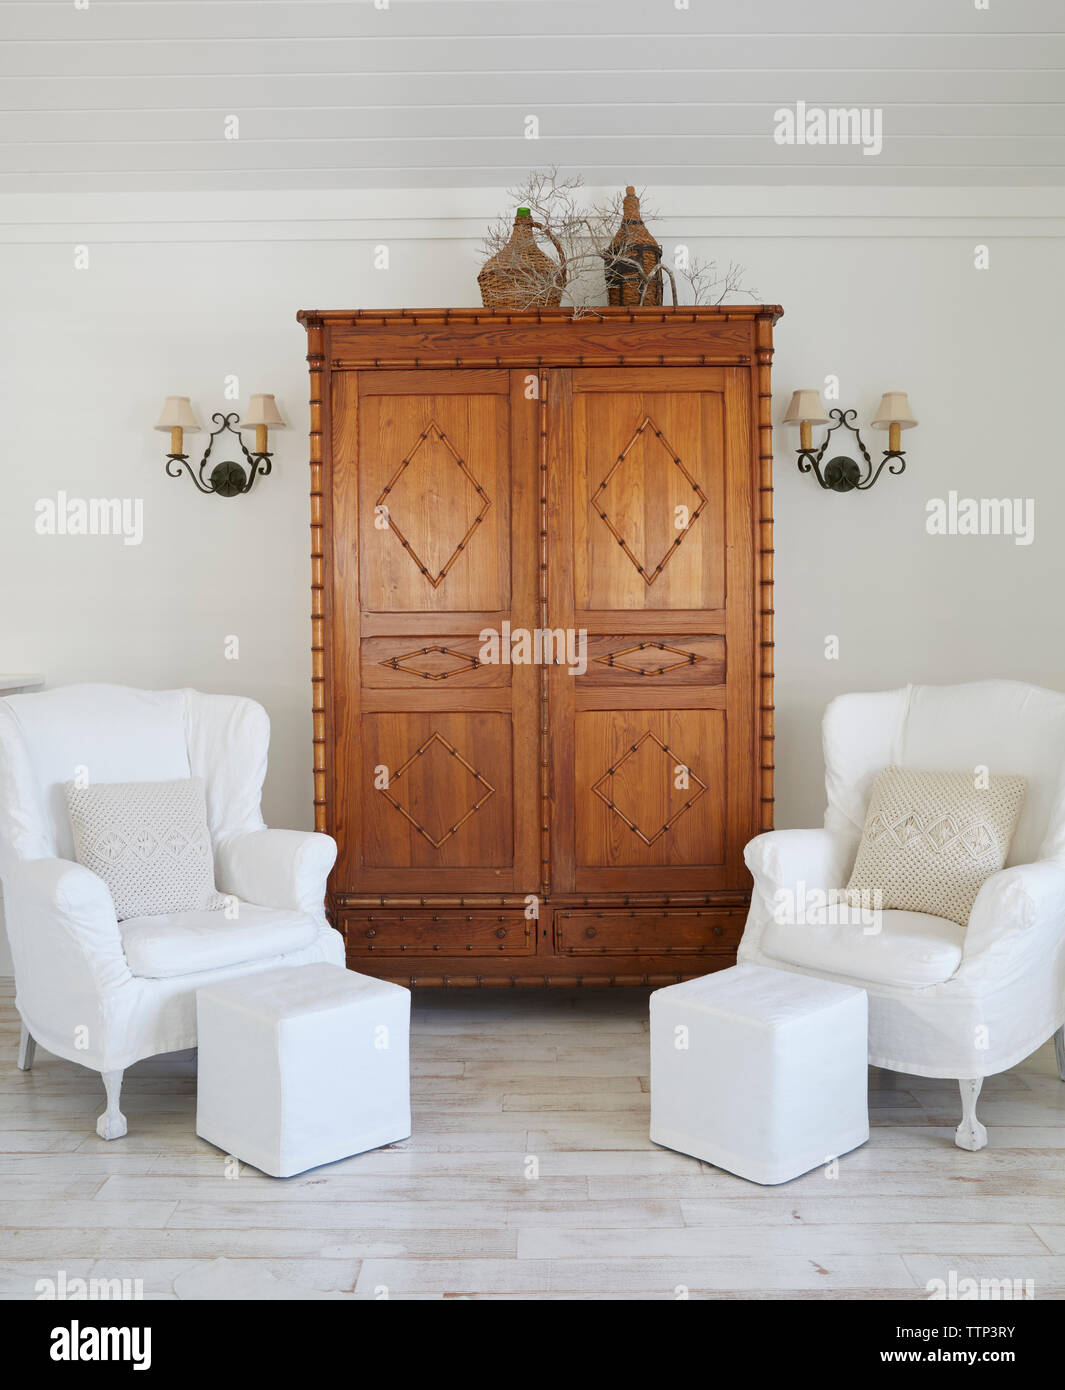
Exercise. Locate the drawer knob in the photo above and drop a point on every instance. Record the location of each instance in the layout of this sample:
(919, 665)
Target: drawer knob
(718, 931)
(501, 932)
(371, 931)
(590, 932)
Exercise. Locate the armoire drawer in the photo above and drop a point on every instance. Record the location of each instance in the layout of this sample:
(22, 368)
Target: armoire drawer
(649, 931)
(450, 932)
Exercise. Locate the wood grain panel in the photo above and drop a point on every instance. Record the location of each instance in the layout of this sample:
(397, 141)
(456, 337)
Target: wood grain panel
(414, 700)
(434, 502)
(648, 493)
(499, 698)
(443, 771)
(436, 382)
(638, 622)
(645, 697)
(642, 931)
(527, 341)
(614, 850)
(417, 624)
(391, 932)
(647, 789)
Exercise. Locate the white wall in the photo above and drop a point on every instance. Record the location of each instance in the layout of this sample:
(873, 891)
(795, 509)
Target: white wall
(878, 289)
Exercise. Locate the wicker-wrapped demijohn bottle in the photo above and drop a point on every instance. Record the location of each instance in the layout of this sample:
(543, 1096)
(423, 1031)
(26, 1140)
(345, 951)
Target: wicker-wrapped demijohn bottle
(633, 259)
(521, 276)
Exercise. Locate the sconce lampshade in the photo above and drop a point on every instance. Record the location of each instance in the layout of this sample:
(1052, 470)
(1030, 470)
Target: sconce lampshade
(806, 405)
(262, 410)
(178, 414)
(894, 409)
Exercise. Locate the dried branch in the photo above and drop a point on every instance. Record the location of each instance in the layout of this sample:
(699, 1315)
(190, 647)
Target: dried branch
(708, 285)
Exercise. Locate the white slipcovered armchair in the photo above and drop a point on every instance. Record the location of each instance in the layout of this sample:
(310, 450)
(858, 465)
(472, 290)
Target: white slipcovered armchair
(106, 993)
(944, 1000)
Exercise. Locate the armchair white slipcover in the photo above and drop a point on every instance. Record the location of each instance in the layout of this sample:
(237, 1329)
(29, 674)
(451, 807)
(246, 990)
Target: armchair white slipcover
(943, 1000)
(106, 993)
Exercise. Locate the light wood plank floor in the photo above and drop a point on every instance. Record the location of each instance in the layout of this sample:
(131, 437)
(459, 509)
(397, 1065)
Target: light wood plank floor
(529, 1175)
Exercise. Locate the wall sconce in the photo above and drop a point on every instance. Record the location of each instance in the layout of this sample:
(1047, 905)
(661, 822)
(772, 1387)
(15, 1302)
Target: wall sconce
(227, 479)
(842, 474)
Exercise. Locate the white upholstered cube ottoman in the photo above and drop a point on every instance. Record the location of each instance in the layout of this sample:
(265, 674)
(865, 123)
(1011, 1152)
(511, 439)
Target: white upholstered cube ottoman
(762, 1072)
(302, 1065)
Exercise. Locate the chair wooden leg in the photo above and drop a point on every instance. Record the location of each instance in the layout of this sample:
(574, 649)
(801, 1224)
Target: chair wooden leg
(112, 1123)
(26, 1048)
(970, 1134)
(1059, 1048)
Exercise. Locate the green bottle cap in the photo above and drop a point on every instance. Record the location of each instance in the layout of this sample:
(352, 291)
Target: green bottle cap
(524, 212)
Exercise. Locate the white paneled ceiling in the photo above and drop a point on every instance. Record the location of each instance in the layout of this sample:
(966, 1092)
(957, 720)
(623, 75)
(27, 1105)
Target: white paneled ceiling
(137, 95)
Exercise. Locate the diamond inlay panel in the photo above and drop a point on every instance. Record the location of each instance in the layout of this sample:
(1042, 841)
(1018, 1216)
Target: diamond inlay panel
(420, 526)
(656, 452)
(435, 746)
(650, 759)
(422, 663)
(649, 659)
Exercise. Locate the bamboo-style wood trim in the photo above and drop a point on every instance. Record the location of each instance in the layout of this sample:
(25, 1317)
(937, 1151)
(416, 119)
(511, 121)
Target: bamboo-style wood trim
(763, 338)
(480, 901)
(522, 361)
(691, 313)
(553, 981)
(613, 902)
(315, 361)
(542, 597)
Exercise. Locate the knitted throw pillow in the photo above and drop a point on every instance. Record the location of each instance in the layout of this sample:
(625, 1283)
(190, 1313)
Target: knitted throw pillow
(932, 838)
(149, 843)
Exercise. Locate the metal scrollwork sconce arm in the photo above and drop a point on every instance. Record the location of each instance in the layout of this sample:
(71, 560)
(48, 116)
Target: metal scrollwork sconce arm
(841, 473)
(227, 479)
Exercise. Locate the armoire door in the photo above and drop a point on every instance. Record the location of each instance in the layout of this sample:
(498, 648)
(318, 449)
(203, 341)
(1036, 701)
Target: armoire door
(435, 777)
(650, 554)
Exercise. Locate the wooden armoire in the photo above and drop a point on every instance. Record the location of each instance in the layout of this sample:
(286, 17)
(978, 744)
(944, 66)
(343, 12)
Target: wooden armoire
(542, 637)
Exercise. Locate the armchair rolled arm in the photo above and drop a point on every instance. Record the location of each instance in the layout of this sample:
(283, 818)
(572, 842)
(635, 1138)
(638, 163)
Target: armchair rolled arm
(781, 860)
(784, 858)
(67, 949)
(1012, 912)
(277, 868)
